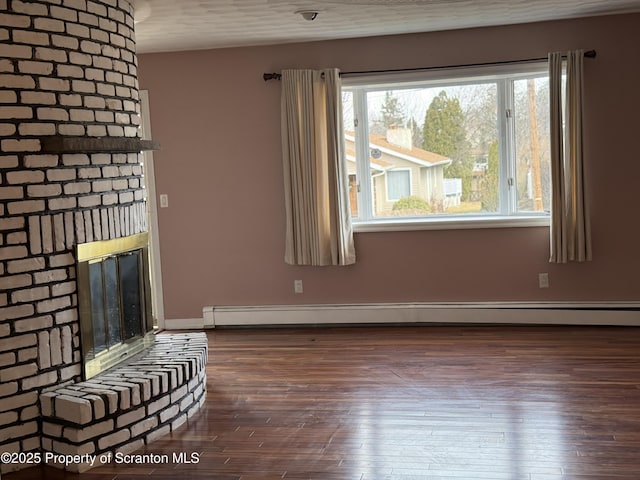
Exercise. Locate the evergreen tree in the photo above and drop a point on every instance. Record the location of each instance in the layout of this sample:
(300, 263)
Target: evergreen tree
(444, 133)
(416, 132)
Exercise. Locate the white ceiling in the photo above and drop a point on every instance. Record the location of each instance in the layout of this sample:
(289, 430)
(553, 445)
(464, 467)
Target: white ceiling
(172, 25)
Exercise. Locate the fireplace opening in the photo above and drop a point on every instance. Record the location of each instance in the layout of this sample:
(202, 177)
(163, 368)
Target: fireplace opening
(115, 301)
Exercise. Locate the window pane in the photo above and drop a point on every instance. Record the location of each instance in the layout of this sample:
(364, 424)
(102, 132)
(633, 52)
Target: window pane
(131, 299)
(446, 140)
(112, 304)
(398, 184)
(482, 191)
(533, 164)
(348, 117)
(97, 307)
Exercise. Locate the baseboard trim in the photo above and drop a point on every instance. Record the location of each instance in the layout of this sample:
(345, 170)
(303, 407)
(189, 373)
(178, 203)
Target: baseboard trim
(560, 313)
(183, 324)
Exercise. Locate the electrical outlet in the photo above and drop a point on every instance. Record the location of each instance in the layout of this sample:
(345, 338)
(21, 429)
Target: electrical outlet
(543, 280)
(164, 200)
(297, 286)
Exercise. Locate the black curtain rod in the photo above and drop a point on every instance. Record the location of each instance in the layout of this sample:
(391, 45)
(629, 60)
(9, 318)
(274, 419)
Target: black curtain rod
(278, 76)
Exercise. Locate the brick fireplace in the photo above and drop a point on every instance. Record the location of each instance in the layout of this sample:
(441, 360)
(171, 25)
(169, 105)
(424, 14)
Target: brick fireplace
(71, 172)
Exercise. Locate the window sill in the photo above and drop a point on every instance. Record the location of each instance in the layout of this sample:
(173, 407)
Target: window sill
(449, 223)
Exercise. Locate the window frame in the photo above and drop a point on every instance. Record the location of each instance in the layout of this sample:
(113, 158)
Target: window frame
(504, 76)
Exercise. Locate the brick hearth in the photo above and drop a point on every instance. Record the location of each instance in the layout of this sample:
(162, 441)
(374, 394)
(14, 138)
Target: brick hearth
(128, 406)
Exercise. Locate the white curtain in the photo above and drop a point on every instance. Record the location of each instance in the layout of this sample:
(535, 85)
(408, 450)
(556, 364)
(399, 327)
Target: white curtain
(318, 230)
(570, 227)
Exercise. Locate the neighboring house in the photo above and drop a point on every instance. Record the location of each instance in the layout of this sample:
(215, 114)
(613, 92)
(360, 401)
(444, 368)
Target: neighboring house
(399, 170)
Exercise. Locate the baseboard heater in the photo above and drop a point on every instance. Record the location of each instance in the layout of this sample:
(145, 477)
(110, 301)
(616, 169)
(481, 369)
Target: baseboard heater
(560, 313)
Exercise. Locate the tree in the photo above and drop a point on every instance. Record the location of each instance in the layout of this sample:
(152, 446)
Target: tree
(444, 133)
(490, 195)
(535, 147)
(416, 131)
(392, 111)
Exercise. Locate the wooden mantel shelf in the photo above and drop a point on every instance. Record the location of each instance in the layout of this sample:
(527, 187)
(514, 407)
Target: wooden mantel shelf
(63, 144)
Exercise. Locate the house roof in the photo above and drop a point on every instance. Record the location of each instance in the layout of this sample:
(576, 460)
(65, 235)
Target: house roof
(415, 152)
(416, 155)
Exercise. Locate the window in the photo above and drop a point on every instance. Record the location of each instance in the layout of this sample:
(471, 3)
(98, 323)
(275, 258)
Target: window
(453, 148)
(398, 184)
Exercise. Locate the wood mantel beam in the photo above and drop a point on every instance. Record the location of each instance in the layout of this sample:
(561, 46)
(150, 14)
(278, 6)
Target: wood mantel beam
(64, 144)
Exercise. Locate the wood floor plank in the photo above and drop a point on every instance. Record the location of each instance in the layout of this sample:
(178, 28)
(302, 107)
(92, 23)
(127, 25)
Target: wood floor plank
(401, 403)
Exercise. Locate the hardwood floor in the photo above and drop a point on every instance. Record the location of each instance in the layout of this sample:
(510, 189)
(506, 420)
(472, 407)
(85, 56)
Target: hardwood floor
(408, 403)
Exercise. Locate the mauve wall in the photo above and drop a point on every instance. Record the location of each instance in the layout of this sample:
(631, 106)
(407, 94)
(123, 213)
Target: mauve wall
(222, 237)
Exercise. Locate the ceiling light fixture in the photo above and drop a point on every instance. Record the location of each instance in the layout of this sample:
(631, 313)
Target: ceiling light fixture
(308, 15)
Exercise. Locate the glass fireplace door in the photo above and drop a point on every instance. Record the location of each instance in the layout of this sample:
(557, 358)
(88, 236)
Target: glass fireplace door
(114, 298)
